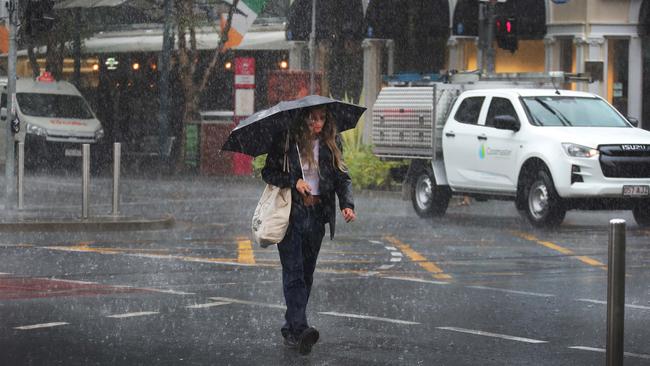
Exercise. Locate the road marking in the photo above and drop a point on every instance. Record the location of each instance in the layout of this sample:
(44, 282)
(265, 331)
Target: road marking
(245, 251)
(368, 317)
(71, 281)
(208, 305)
(390, 248)
(244, 302)
(605, 303)
(602, 350)
(130, 315)
(384, 267)
(395, 259)
(396, 254)
(38, 326)
(166, 291)
(493, 335)
(429, 266)
(409, 279)
(588, 260)
(4, 274)
(376, 242)
(510, 291)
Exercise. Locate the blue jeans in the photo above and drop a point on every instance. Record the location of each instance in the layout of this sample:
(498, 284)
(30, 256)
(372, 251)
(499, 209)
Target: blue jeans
(298, 253)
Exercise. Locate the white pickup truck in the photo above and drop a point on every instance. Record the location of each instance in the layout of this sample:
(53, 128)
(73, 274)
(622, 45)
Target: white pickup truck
(548, 150)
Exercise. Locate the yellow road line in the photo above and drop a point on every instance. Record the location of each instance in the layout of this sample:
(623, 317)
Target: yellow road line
(422, 261)
(245, 251)
(588, 260)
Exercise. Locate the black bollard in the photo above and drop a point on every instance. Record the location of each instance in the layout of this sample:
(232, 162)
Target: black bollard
(615, 292)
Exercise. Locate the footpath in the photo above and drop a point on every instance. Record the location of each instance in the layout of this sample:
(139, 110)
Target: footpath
(54, 203)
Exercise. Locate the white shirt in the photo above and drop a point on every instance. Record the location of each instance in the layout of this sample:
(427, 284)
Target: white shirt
(310, 173)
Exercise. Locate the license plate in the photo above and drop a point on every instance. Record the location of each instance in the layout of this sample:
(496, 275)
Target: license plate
(635, 191)
(72, 152)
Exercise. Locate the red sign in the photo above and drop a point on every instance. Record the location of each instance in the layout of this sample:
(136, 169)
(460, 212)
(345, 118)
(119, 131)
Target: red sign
(245, 73)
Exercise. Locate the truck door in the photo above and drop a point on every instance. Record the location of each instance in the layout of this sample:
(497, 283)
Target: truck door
(460, 144)
(499, 148)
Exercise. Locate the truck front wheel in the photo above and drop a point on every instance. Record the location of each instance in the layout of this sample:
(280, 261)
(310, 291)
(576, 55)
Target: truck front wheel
(641, 214)
(543, 206)
(428, 198)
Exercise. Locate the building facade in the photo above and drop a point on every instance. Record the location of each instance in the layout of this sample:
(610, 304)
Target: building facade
(608, 38)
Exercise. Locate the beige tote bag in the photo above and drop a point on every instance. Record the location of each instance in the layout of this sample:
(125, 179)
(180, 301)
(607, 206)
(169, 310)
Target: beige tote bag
(271, 217)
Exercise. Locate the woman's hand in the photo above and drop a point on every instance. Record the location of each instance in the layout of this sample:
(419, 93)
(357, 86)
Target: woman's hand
(348, 214)
(303, 187)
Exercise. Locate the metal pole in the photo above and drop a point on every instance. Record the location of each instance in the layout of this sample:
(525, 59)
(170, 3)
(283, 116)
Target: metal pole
(11, 107)
(615, 292)
(117, 153)
(21, 173)
(85, 178)
(165, 56)
(312, 51)
(491, 17)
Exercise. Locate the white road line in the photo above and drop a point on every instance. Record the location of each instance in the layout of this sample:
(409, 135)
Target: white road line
(510, 291)
(236, 301)
(4, 273)
(130, 315)
(396, 259)
(416, 280)
(376, 242)
(71, 281)
(208, 305)
(602, 350)
(493, 335)
(164, 291)
(631, 306)
(368, 317)
(386, 266)
(390, 248)
(396, 254)
(38, 326)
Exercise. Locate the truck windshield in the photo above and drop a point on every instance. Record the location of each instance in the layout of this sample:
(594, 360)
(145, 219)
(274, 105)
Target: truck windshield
(53, 105)
(572, 112)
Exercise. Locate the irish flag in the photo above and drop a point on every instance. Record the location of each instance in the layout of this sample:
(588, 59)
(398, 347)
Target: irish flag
(242, 19)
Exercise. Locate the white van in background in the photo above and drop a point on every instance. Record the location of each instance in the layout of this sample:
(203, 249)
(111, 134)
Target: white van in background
(55, 119)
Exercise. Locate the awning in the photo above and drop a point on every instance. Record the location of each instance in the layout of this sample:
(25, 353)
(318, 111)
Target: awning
(151, 41)
(71, 4)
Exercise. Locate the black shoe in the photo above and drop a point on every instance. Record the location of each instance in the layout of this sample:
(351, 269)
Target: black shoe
(307, 339)
(290, 341)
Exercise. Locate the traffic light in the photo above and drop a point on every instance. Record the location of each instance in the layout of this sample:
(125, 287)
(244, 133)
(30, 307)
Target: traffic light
(506, 33)
(39, 16)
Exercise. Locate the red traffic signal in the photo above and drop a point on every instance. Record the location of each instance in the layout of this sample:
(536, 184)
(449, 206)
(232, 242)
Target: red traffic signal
(506, 33)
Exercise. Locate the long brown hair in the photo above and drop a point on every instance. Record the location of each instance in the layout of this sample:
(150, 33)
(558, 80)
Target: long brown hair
(304, 138)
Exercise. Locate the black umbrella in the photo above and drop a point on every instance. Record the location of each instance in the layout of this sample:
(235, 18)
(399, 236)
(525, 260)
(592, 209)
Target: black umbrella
(253, 136)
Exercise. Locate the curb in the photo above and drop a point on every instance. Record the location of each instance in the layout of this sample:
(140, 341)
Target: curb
(100, 223)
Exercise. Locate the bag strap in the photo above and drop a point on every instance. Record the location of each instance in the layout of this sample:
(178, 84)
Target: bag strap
(285, 163)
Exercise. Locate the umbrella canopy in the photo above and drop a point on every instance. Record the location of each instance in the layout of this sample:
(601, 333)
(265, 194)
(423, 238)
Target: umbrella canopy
(254, 135)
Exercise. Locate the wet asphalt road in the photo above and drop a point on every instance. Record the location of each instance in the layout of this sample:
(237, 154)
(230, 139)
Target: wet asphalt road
(477, 287)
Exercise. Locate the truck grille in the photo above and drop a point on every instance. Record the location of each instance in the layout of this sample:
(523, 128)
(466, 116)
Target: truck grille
(625, 161)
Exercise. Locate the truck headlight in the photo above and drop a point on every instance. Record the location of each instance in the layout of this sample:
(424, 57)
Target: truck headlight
(99, 134)
(36, 130)
(579, 151)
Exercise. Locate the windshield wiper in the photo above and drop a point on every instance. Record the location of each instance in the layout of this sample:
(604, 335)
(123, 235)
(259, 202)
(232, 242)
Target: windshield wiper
(565, 121)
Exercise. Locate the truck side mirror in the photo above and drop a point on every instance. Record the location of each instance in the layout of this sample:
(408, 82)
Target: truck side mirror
(633, 121)
(506, 122)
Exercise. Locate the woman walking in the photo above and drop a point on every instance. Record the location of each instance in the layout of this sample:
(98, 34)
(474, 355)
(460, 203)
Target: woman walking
(316, 174)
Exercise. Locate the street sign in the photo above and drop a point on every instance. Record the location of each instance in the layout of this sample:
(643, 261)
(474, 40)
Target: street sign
(244, 73)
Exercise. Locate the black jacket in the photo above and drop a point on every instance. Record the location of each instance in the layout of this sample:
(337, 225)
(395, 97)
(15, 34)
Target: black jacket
(332, 180)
